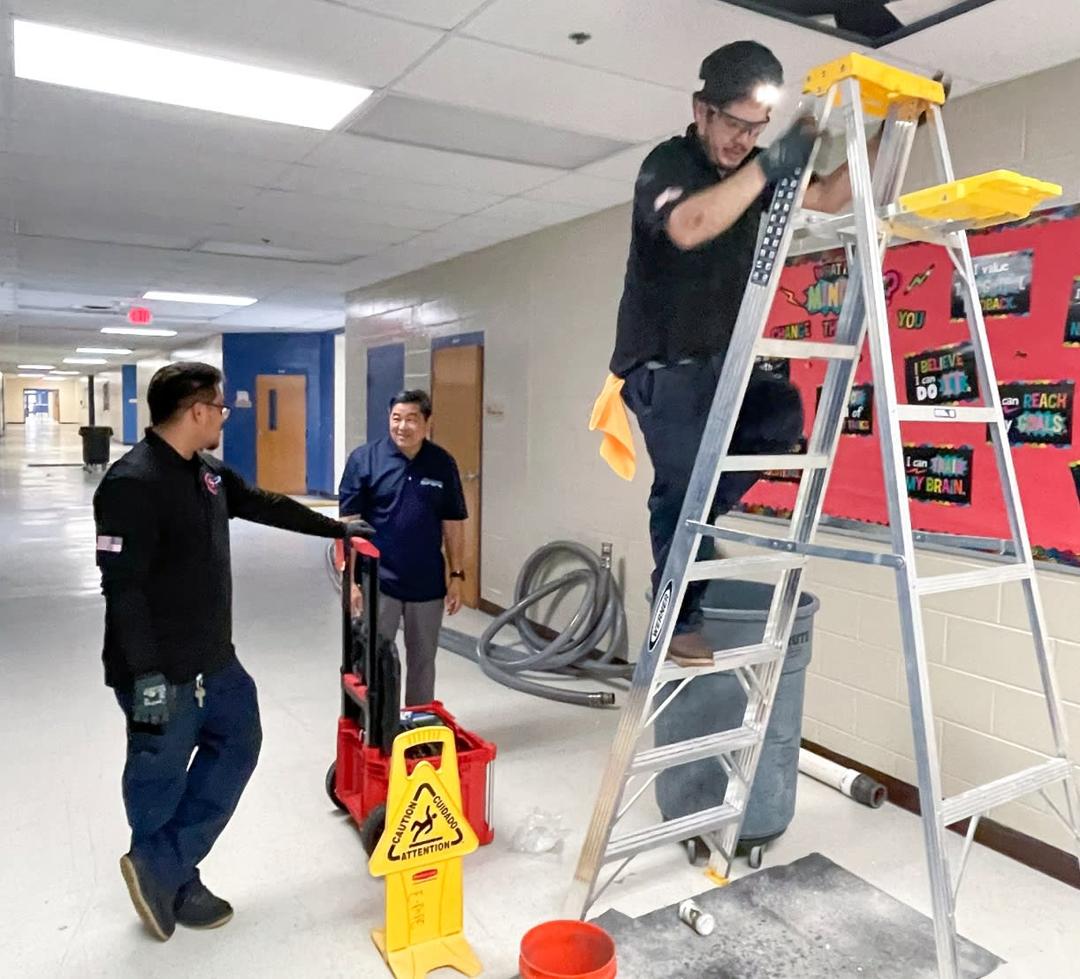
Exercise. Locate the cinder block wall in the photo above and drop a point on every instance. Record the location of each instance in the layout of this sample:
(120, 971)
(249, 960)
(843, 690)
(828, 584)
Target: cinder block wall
(546, 304)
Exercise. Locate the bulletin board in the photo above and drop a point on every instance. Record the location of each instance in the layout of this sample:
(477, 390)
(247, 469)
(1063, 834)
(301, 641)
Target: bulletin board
(1028, 277)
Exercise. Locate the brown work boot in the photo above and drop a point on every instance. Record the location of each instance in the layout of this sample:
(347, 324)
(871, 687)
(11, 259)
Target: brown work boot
(690, 649)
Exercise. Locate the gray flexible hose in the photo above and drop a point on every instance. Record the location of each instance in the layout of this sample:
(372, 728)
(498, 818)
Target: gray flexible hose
(576, 650)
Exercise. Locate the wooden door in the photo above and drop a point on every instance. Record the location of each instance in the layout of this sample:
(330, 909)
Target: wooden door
(281, 432)
(457, 394)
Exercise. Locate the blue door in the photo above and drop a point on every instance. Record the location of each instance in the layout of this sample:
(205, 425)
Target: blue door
(385, 378)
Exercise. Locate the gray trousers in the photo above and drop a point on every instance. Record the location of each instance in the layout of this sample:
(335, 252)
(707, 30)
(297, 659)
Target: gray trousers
(422, 623)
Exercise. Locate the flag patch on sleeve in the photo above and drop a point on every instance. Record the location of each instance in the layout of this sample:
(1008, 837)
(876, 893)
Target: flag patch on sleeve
(111, 545)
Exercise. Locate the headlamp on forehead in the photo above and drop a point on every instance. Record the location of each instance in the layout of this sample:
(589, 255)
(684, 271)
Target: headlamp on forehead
(767, 94)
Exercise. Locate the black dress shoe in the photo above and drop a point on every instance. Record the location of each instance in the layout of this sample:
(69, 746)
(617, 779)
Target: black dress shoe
(153, 904)
(196, 907)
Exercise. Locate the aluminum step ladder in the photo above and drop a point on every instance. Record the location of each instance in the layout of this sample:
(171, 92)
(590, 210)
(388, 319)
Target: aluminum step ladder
(849, 87)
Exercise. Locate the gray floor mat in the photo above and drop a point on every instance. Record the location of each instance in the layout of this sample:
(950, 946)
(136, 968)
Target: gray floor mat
(809, 920)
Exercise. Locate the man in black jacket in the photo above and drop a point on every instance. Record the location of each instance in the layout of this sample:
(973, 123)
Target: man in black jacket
(697, 210)
(162, 515)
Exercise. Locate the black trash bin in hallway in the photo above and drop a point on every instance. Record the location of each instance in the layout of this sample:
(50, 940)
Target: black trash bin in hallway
(735, 615)
(96, 440)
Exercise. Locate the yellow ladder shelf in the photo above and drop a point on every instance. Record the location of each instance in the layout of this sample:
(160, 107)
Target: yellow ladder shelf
(996, 197)
(879, 84)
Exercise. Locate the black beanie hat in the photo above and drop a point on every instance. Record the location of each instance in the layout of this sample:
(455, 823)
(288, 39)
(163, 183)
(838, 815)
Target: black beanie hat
(733, 72)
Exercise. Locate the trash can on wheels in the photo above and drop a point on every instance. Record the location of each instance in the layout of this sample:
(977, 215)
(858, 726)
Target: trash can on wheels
(735, 615)
(95, 445)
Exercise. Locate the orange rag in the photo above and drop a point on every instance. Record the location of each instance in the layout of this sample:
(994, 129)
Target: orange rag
(609, 416)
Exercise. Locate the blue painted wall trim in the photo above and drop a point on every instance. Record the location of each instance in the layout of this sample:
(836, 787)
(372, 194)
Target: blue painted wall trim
(475, 339)
(385, 378)
(244, 357)
(129, 396)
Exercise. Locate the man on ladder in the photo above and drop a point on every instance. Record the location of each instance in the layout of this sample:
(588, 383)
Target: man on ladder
(852, 87)
(698, 202)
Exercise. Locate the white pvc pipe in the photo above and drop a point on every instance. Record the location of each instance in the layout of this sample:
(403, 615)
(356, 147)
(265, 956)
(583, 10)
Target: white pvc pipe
(854, 784)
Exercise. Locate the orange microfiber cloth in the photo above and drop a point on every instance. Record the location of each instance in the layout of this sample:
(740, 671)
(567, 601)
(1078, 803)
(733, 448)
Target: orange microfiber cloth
(609, 415)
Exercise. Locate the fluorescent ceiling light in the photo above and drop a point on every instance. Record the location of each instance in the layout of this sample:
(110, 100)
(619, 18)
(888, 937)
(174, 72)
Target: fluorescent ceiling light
(60, 56)
(136, 331)
(118, 351)
(35, 367)
(85, 360)
(185, 354)
(37, 376)
(65, 373)
(202, 298)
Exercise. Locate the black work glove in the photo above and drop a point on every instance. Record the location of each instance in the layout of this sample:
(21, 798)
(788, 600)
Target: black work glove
(150, 703)
(946, 83)
(359, 528)
(791, 151)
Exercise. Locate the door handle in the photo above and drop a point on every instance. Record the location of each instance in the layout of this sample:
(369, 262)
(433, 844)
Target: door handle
(471, 477)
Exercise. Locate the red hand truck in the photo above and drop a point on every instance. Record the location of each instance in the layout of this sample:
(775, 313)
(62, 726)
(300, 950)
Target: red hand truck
(358, 779)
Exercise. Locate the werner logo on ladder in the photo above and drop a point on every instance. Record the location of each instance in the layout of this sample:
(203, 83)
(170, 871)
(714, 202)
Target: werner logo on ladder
(942, 215)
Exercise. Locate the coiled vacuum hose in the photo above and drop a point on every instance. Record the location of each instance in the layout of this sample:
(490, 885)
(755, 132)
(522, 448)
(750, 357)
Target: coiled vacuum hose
(580, 648)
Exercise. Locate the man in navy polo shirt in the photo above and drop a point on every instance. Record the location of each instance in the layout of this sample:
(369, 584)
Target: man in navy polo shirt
(409, 490)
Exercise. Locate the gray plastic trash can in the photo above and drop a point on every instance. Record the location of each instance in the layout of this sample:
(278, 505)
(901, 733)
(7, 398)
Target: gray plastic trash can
(735, 615)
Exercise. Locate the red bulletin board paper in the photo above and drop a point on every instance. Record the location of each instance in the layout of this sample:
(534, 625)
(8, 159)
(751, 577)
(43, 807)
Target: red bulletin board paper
(1028, 347)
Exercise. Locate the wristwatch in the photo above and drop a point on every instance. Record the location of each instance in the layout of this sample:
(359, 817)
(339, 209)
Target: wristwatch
(458, 574)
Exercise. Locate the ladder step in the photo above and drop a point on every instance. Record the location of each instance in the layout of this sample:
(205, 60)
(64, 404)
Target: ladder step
(734, 567)
(709, 746)
(982, 798)
(805, 350)
(945, 413)
(762, 463)
(797, 547)
(973, 579)
(705, 821)
(723, 659)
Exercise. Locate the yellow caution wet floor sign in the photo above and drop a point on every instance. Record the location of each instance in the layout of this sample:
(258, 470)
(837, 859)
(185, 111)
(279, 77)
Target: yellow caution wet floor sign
(420, 856)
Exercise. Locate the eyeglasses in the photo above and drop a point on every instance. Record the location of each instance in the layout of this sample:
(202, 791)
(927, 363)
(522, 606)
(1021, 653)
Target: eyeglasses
(735, 125)
(225, 409)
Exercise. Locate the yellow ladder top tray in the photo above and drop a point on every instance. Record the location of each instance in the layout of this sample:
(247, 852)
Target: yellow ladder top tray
(996, 197)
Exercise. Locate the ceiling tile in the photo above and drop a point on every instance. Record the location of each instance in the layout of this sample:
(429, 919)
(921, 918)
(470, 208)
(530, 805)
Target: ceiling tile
(1001, 40)
(436, 13)
(579, 188)
(325, 40)
(279, 316)
(484, 76)
(66, 123)
(251, 249)
(334, 214)
(325, 181)
(620, 166)
(658, 42)
(540, 213)
(110, 232)
(379, 157)
(419, 122)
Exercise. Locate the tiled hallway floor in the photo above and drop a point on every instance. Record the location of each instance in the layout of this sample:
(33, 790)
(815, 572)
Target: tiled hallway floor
(292, 866)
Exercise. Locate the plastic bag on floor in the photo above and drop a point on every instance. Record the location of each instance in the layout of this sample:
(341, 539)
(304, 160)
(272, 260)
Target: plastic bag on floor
(540, 832)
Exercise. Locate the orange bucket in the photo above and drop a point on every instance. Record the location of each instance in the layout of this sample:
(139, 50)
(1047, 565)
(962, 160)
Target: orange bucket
(567, 950)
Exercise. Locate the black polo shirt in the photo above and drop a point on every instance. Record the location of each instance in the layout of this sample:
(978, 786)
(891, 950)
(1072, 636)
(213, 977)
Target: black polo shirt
(162, 526)
(406, 501)
(679, 304)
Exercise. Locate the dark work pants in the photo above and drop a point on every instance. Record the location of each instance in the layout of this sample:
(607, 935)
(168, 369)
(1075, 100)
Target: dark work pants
(182, 786)
(672, 406)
